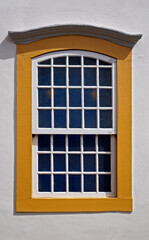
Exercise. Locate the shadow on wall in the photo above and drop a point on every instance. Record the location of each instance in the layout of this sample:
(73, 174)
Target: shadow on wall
(7, 49)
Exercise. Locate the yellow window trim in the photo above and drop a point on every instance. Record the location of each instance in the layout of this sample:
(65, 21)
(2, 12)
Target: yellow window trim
(25, 53)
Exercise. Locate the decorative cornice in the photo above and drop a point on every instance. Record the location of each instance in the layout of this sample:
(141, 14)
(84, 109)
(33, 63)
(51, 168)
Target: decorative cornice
(123, 39)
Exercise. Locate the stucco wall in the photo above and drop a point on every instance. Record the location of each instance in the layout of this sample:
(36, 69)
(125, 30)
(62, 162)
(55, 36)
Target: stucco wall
(130, 16)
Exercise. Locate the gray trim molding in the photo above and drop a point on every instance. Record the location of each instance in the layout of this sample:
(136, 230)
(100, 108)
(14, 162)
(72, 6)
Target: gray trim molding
(123, 39)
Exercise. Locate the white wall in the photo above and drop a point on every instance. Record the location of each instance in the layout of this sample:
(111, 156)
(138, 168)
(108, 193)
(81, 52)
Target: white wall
(131, 16)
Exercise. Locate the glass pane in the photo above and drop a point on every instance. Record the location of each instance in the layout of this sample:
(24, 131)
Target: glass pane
(44, 97)
(60, 61)
(44, 76)
(46, 62)
(104, 183)
(74, 183)
(104, 162)
(89, 76)
(89, 142)
(44, 142)
(59, 97)
(106, 118)
(89, 61)
(105, 77)
(74, 162)
(75, 97)
(90, 96)
(60, 118)
(89, 183)
(59, 162)
(75, 76)
(75, 118)
(44, 118)
(105, 97)
(60, 76)
(44, 183)
(90, 119)
(44, 162)
(59, 183)
(89, 162)
(104, 63)
(104, 143)
(74, 142)
(59, 142)
(74, 61)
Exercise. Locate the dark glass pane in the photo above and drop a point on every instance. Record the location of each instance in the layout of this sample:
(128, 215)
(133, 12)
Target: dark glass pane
(60, 118)
(90, 97)
(75, 97)
(104, 63)
(59, 97)
(89, 61)
(44, 183)
(75, 118)
(90, 119)
(74, 162)
(60, 76)
(46, 62)
(60, 61)
(44, 142)
(59, 183)
(89, 183)
(106, 118)
(105, 183)
(74, 61)
(89, 161)
(74, 142)
(74, 183)
(104, 162)
(59, 162)
(59, 142)
(105, 77)
(44, 97)
(104, 143)
(44, 76)
(105, 98)
(75, 76)
(44, 118)
(44, 162)
(89, 76)
(89, 142)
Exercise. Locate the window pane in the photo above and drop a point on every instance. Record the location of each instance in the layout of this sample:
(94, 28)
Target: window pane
(46, 62)
(59, 183)
(104, 63)
(44, 162)
(89, 183)
(44, 76)
(89, 61)
(89, 142)
(59, 142)
(59, 162)
(90, 119)
(89, 76)
(89, 162)
(74, 162)
(105, 96)
(74, 61)
(44, 142)
(104, 162)
(44, 97)
(44, 118)
(90, 96)
(75, 97)
(104, 183)
(104, 143)
(105, 77)
(75, 76)
(60, 118)
(44, 183)
(60, 61)
(74, 183)
(75, 118)
(59, 97)
(74, 142)
(106, 118)
(59, 76)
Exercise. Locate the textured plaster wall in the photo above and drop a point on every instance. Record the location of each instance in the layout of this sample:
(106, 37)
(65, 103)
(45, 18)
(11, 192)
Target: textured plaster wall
(130, 16)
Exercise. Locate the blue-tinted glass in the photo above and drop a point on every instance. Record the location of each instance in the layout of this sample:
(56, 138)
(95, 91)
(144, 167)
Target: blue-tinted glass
(104, 163)
(89, 76)
(90, 119)
(89, 61)
(44, 118)
(74, 162)
(44, 183)
(60, 118)
(74, 183)
(59, 183)
(103, 63)
(74, 61)
(105, 98)
(44, 142)
(106, 118)
(59, 97)
(60, 61)
(75, 97)
(44, 97)
(105, 77)
(59, 76)
(44, 76)
(75, 76)
(74, 142)
(104, 143)
(59, 162)
(75, 118)
(44, 162)
(46, 62)
(89, 162)
(90, 96)
(89, 142)
(89, 183)
(105, 183)
(59, 142)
